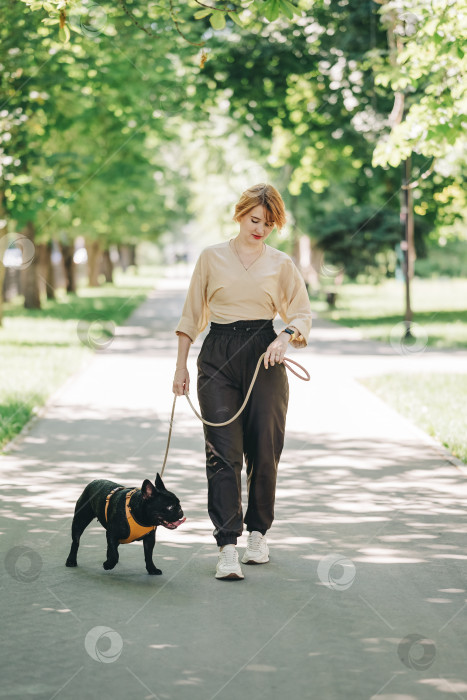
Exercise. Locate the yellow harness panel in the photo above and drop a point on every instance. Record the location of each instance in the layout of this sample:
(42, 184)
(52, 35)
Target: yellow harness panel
(136, 530)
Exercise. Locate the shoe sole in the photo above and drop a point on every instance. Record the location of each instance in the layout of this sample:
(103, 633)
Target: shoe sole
(253, 561)
(230, 577)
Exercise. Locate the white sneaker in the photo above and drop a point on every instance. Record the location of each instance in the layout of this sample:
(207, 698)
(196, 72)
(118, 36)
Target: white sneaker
(257, 550)
(227, 564)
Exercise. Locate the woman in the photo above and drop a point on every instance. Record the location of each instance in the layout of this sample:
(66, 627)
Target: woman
(241, 285)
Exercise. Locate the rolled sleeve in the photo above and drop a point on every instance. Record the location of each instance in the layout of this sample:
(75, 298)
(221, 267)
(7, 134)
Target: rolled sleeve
(195, 313)
(295, 308)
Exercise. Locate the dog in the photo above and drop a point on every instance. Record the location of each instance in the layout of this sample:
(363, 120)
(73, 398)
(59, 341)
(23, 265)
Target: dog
(128, 515)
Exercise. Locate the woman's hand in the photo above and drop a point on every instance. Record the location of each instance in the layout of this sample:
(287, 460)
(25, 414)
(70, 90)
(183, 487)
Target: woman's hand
(276, 350)
(181, 381)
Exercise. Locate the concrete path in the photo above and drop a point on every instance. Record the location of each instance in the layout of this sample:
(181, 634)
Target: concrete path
(365, 593)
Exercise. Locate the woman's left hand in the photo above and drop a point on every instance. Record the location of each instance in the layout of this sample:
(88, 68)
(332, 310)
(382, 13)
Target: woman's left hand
(276, 350)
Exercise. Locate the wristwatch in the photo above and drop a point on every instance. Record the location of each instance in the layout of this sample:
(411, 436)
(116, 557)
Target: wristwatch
(290, 332)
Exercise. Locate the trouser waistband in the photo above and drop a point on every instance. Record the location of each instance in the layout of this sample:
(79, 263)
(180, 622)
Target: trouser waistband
(236, 327)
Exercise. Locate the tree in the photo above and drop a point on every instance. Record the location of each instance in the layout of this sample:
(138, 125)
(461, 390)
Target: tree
(331, 115)
(427, 72)
(73, 125)
(158, 17)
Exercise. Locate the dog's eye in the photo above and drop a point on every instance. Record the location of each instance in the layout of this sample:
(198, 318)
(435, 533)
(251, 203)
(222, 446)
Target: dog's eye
(169, 508)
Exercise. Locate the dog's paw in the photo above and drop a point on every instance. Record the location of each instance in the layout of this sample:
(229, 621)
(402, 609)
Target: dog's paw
(71, 562)
(154, 571)
(108, 565)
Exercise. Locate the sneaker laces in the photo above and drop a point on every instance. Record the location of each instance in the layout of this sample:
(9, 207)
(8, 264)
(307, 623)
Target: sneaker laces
(254, 541)
(229, 556)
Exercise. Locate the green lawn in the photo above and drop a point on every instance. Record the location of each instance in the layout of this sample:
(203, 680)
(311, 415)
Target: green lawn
(39, 349)
(437, 403)
(439, 306)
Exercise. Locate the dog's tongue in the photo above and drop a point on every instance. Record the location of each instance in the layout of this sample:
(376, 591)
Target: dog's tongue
(175, 524)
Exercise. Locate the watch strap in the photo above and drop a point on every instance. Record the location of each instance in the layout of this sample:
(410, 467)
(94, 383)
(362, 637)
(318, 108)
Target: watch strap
(290, 332)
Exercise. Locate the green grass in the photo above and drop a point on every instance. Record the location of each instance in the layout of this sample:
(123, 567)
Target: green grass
(439, 306)
(40, 349)
(437, 403)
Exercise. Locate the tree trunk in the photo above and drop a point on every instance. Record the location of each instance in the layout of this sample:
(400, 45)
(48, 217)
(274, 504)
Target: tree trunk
(3, 247)
(309, 260)
(124, 255)
(107, 266)
(47, 277)
(410, 221)
(407, 244)
(94, 257)
(50, 272)
(30, 282)
(315, 270)
(2, 279)
(397, 115)
(132, 250)
(69, 269)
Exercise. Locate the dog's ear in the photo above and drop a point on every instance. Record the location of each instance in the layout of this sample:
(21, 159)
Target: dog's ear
(159, 483)
(148, 490)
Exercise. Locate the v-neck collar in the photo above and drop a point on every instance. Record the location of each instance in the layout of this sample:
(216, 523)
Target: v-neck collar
(237, 257)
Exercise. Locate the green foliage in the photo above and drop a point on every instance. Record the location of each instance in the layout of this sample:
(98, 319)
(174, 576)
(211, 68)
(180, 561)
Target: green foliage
(311, 98)
(272, 9)
(217, 20)
(430, 69)
(101, 128)
(446, 260)
(358, 240)
(159, 16)
(79, 154)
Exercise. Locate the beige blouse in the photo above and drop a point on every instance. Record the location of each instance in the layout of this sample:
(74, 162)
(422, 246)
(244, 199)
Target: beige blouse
(223, 291)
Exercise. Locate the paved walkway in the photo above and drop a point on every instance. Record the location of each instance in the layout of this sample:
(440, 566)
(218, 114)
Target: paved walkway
(365, 593)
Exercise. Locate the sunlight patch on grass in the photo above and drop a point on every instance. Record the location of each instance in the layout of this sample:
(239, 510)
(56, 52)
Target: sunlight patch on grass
(436, 403)
(439, 307)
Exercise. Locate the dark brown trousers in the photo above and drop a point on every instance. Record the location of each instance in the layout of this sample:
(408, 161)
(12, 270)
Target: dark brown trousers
(226, 364)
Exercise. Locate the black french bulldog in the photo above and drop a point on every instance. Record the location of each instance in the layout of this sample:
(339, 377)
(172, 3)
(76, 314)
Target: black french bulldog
(127, 515)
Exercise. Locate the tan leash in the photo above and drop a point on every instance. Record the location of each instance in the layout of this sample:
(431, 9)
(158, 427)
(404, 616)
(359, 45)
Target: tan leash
(285, 362)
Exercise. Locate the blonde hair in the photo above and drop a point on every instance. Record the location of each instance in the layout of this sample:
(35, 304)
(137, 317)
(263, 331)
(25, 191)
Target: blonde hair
(265, 195)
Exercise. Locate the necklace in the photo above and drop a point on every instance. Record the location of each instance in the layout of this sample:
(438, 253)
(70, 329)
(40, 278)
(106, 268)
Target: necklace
(253, 261)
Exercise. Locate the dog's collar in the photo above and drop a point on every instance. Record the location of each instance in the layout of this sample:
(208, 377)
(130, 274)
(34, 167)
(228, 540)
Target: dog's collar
(137, 531)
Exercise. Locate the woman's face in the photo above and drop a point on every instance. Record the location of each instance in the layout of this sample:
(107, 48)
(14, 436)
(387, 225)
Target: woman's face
(256, 225)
